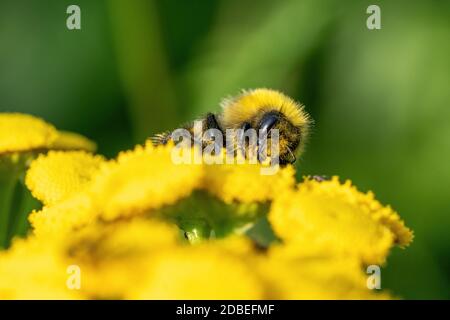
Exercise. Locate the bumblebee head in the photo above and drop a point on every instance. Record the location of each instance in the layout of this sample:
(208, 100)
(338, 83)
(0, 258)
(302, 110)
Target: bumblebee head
(264, 109)
(289, 136)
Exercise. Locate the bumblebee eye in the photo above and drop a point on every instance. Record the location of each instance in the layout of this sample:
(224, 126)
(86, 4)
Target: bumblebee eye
(246, 126)
(268, 121)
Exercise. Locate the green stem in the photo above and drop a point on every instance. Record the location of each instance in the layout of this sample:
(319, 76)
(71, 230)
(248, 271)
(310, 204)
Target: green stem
(8, 181)
(19, 224)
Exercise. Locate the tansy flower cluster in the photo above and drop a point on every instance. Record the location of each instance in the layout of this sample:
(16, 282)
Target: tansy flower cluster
(22, 138)
(142, 227)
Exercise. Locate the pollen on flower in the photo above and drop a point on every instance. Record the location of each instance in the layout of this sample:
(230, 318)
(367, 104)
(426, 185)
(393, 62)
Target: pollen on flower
(22, 132)
(330, 214)
(57, 175)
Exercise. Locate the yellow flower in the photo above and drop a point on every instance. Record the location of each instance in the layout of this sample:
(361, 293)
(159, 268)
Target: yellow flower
(72, 141)
(200, 272)
(22, 132)
(403, 236)
(144, 259)
(139, 181)
(32, 269)
(114, 258)
(119, 221)
(73, 213)
(332, 215)
(129, 259)
(314, 275)
(244, 182)
(22, 137)
(143, 179)
(57, 175)
(87, 188)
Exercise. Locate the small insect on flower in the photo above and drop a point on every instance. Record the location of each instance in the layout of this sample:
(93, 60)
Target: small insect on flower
(252, 123)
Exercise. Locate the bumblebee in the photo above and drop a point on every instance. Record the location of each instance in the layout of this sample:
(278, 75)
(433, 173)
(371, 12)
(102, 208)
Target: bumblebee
(261, 110)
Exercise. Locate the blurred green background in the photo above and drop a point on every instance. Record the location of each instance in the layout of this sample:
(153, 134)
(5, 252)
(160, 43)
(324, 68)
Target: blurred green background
(380, 98)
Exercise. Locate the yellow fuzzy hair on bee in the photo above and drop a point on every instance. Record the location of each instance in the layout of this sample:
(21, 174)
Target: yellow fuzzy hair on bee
(258, 101)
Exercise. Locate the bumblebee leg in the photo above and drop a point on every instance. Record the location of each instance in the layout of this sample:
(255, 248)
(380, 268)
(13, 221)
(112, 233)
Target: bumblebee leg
(160, 138)
(241, 143)
(320, 178)
(211, 122)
